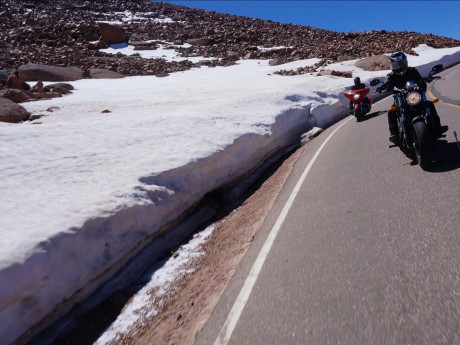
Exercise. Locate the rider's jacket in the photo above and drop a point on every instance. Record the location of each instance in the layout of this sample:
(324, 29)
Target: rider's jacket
(399, 81)
(358, 87)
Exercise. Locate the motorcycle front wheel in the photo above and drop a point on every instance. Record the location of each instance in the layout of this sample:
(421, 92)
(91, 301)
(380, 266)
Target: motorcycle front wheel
(423, 145)
(359, 115)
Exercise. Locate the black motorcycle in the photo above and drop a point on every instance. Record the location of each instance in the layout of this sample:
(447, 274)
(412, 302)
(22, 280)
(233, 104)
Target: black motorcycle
(417, 134)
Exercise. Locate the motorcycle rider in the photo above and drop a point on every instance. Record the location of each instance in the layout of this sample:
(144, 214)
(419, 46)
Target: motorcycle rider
(357, 86)
(399, 75)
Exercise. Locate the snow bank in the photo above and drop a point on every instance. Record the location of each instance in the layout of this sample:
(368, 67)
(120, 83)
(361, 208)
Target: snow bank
(84, 191)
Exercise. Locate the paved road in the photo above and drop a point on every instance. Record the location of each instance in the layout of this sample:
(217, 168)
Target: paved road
(368, 253)
(447, 88)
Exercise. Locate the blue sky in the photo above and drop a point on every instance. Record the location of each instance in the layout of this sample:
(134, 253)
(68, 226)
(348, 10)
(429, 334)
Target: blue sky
(437, 17)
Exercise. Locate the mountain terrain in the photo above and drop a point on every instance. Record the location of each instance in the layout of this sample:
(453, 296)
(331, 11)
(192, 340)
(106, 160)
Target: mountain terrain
(69, 34)
(59, 32)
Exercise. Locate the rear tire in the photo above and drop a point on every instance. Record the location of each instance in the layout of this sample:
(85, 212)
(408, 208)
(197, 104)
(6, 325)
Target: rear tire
(423, 145)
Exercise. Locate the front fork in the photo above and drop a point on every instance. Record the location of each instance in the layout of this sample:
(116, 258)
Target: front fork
(428, 118)
(405, 134)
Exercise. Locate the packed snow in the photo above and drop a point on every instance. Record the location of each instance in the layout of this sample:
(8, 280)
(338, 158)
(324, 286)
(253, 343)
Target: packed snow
(82, 189)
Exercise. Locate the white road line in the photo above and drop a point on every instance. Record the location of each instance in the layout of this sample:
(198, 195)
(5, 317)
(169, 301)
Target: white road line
(234, 315)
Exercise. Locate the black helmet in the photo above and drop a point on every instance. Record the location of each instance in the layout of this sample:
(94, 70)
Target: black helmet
(398, 62)
(357, 81)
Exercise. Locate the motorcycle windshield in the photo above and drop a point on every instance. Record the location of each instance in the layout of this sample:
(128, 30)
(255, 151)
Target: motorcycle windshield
(362, 93)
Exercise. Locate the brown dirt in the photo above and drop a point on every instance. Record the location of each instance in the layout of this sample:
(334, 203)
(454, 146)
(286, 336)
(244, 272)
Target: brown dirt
(188, 311)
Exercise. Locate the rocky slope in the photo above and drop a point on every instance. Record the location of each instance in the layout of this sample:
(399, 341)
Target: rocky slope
(58, 32)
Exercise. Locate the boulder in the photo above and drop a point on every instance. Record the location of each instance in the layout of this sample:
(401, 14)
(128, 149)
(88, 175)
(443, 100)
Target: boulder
(38, 87)
(61, 88)
(15, 95)
(101, 73)
(251, 55)
(47, 95)
(231, 55)
(14, 82)
(5, 73)
(49, 73)
(202, 41)
(374, 63)
(11, 112)
(205, 63)
(277, 61)
(112, 34)
(101, 45)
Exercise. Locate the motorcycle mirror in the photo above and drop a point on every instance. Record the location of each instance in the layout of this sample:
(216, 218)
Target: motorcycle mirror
(374, 82)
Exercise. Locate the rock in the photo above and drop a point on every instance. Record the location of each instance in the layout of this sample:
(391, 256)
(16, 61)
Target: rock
(101, 45)
(28, 5)
(145, 47)
(63, 88)
(38, 87)
(250, 55)
(47, 95)
(202, 41)
(91, 46)
(276, 62)
(232, 55)
(374, 63)
(35, 117)
(306, 137)
(325, 72)
(14, 82)
(112, 34)
(49, 73)
(205, 62)
(345, 74)
(11, 112)
(100, 73)
(97, 45)
(4, 74)
(51, 109)
(15, 95)
(143, 44)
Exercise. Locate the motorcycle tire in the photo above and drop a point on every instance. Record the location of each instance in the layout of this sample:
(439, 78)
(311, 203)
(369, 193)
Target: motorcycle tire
(431, 128)
(423, 145)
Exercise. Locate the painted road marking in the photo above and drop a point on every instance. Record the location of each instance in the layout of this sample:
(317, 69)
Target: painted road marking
(430, 93)
(235, 313)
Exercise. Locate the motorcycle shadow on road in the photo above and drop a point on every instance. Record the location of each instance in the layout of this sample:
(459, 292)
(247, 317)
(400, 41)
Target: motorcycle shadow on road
(447, 157)
(372, 115)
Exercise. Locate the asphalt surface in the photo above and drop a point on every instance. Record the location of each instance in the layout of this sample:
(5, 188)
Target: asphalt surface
(446, 89)
(369, 251)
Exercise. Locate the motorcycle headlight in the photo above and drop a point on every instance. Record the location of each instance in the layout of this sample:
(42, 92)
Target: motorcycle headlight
(357, 96)
(413, 98)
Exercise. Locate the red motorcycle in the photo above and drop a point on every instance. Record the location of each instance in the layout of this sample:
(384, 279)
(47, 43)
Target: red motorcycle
(361, 103)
